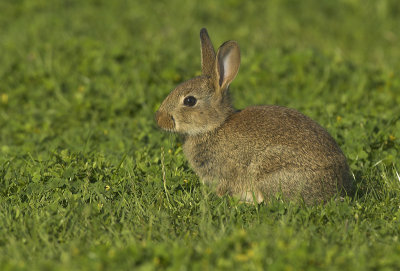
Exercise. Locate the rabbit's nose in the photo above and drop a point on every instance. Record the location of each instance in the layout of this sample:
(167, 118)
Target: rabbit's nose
(165, 120)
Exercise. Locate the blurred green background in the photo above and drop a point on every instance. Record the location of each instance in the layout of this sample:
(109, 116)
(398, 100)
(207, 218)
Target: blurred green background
(68, 66)
(81, 159)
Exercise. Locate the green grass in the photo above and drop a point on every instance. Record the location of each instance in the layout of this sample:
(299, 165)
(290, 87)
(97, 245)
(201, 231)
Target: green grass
(81, 159)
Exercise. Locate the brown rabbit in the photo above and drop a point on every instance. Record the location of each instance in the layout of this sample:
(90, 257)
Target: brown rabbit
(254, 153)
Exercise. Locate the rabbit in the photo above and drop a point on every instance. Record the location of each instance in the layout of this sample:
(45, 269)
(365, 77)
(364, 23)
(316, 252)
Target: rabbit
(256, 153)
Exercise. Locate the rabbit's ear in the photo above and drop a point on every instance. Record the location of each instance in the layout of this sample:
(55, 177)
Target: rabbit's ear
(207, 53)
(227, 64)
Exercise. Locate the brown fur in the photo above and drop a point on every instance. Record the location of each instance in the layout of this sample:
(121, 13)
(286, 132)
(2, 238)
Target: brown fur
(254, 153)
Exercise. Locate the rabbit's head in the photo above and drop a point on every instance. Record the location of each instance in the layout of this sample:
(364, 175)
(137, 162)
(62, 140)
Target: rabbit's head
(202, 104)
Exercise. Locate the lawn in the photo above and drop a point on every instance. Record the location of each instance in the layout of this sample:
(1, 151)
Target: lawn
(82, 161)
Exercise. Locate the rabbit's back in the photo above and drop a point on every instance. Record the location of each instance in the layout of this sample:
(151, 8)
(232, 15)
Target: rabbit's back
(280, 129)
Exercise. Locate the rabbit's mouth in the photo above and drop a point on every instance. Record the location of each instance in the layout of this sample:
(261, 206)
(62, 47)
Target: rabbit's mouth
(165, 121)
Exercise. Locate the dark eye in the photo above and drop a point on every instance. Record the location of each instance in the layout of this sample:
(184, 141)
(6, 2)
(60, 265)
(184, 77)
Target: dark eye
(189, 101)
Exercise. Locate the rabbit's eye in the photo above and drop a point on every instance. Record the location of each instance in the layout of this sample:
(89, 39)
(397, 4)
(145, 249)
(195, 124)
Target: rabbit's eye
(189, 101)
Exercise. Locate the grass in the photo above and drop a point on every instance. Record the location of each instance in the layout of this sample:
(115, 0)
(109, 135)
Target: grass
(81, 159)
